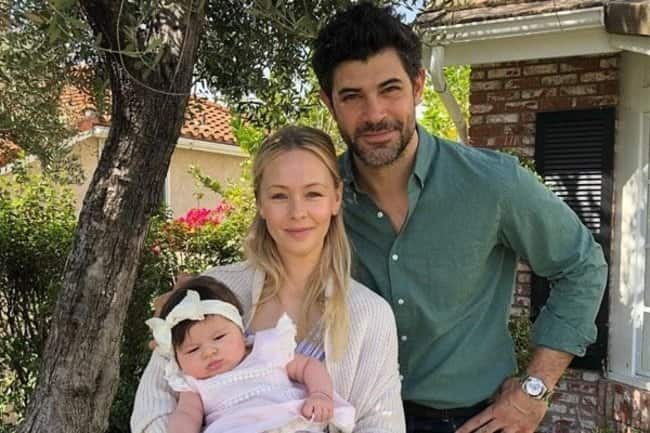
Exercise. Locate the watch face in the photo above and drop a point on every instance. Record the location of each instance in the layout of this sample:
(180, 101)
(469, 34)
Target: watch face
(534, 387)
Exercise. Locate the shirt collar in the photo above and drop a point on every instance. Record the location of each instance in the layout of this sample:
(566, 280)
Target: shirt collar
(427, 148)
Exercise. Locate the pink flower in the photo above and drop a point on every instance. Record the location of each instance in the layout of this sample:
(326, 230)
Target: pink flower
(199, 217)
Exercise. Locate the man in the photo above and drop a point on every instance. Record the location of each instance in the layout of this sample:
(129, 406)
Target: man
(438, 228)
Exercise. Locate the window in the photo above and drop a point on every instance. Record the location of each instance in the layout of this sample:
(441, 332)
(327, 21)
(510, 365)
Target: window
(574, 153)
(629, 347)
(641, 307)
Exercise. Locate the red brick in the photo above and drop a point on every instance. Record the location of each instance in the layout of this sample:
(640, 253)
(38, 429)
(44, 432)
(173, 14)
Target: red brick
(504, 73)
(502, 118)
(528, 140)
(477, 75)
(580, 64)
(593, 77)
(597, 101)
(477, 97)
(521, 83)
(537, 93)
(523, 277)
(527, 117)
(564, 426)
(557, 103)
(590, 376)
(476, 120)
(504, 95)
(522, 106)
(522, 290)
(485, 130)
(582, 387)
(481, 108)
(559, 80)
(541, 69)
(566, 397)
(486, 85)
(608, 88)
(610, 62)
(579, 90)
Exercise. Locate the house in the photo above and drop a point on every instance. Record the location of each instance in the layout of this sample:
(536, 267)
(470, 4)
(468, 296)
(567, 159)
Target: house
(567, 82)
(206, 141)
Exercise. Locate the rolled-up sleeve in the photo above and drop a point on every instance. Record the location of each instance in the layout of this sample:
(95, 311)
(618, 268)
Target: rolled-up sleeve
(543, 230)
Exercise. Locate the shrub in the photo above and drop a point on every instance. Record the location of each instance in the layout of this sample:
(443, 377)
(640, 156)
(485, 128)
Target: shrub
(37, 220)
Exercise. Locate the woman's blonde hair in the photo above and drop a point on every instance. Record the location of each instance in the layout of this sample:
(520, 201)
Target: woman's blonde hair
(334, 266)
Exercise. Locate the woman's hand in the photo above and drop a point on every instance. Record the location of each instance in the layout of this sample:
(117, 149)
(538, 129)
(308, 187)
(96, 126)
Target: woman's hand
(318, 407)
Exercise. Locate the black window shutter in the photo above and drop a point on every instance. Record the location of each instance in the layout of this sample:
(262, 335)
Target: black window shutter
(574, 153)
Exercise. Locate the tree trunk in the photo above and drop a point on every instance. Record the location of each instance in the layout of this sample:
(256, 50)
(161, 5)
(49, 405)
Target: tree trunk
(80, 364)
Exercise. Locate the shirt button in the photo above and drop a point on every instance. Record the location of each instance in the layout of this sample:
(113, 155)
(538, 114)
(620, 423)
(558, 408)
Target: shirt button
(400, 301)
(395, 257)
(380, 214)
(404, 338)
(401, 377)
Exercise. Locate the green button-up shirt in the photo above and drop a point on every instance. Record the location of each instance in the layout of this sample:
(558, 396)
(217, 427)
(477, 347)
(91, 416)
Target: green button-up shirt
(449, 272)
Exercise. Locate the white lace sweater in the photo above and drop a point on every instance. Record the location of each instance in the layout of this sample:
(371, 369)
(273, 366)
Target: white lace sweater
(366, 375)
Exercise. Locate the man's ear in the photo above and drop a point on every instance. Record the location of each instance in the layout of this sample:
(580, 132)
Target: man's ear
(327, 101)
(418, 86)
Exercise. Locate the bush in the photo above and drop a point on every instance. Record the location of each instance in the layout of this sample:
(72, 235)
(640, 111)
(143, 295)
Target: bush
(37, 221)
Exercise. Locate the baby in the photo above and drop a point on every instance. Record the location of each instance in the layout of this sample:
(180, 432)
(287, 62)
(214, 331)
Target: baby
(235, 388)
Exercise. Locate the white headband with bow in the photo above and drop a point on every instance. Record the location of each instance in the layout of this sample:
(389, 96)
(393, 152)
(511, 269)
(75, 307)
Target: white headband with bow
(190, 308)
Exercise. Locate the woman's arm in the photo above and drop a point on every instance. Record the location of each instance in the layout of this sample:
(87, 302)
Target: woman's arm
(376, 389)
(188, 416)
(154, 399)
(312, 373)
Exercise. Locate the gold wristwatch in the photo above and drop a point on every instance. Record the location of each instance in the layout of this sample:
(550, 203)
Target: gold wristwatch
(535, 388)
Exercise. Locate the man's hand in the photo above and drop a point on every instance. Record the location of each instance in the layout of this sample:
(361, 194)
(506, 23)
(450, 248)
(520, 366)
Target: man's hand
(511, 412)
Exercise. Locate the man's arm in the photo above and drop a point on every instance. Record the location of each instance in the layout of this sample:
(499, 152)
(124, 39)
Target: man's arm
(543, 230)
(188, 415)
(515, 411)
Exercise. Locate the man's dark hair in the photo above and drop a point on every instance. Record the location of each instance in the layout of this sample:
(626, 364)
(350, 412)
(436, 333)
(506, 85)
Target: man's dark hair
(360, 32)
(207, 288)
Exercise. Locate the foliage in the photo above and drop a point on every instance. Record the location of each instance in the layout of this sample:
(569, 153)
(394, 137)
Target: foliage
(36, 225)
(435, 117)
(520, 328)
(37, 220)
(262, 48)
(33, 71)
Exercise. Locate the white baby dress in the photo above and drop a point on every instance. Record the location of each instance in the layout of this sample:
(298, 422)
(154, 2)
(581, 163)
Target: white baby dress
(257, 395)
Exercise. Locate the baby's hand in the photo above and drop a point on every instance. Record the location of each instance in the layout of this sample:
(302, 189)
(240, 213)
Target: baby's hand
(318, 407)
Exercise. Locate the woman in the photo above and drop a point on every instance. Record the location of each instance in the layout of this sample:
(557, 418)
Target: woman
(299, 264)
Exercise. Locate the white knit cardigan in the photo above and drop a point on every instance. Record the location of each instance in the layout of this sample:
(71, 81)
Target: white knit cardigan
(366, 375)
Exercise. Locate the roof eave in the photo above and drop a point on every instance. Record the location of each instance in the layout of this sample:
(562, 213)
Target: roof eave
(183, 142)
(562, 21)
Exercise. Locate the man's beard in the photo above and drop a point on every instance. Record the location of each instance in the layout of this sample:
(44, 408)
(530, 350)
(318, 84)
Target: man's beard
(385, 154)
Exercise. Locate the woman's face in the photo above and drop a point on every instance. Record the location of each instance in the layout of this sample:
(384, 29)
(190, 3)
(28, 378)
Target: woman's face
(297, 199)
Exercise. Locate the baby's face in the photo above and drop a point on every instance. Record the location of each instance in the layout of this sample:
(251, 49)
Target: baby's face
(212, 346)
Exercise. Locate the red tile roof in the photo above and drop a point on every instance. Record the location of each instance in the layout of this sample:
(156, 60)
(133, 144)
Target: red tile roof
(8, 151)
(204, 119)
(449, 12)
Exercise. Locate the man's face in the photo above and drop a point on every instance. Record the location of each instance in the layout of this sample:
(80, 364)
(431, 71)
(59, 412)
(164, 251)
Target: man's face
(373, 102)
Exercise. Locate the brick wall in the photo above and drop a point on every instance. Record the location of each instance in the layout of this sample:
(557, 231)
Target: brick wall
(504, 100)
(505, 97)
